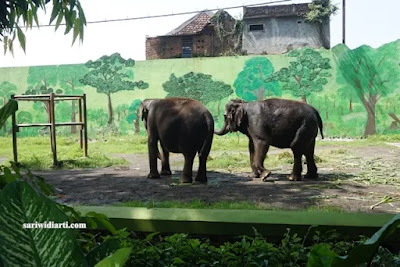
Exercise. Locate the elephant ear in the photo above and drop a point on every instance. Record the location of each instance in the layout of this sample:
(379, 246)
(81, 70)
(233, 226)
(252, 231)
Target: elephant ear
(144, 108)
(239, 115)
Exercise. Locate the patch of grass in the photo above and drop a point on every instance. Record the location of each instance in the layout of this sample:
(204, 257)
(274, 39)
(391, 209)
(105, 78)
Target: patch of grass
(35, 153)
(229, 205)
(194, 204)
(232, 161)
(339, 151)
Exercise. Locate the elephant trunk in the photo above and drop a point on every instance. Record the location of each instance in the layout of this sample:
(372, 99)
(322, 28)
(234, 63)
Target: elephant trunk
(224, 130)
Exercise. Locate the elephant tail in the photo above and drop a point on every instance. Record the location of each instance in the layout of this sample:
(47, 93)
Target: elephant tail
(206, 147)
(319, 123)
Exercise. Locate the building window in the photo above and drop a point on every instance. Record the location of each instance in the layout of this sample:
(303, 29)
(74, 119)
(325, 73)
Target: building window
(187, 43)
(256, 27)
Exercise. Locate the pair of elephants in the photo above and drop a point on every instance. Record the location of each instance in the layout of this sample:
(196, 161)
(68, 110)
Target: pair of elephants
(186, 126)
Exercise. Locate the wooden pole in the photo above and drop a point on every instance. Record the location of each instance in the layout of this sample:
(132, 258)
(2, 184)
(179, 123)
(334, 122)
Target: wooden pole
(14, 135)
(53, 129)
(85, 150)
(80, 120)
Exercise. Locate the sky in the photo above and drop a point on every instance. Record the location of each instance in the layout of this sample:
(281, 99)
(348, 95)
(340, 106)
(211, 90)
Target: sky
(371, 22)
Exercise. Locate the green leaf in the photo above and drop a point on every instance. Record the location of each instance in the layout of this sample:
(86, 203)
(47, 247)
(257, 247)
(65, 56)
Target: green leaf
(77, 27)
(21, 38)
(103, 220)
(56, 10)
(59, 20)
(321, 256)
(7, 110)
(119, 258)
(19, 204)
(103, 250)
(361, 254)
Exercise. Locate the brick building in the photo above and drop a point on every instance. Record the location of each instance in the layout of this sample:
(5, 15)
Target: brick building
(281, 28)
(196, 37)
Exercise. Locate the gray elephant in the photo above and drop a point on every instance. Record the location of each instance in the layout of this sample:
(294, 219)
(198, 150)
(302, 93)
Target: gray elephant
(275, 122)
(182, 126)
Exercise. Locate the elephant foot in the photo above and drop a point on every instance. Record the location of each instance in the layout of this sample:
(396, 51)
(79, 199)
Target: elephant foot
(261, 173)
(311, 176)
(294, 177)
(201, 179)
(153, 175)
(166, 172)
(186, 179)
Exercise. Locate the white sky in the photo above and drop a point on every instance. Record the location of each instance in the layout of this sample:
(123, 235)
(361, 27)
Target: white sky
(372, 22)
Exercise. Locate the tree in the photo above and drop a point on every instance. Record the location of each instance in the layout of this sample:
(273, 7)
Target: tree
(254, 83)
(319, 12)
(68, 77)
(6, 90)
(198, 86)
(121, 110)
(134, 114)
(346, 92)
(24, 12)
(370, 73)
(24, 117)
(111, 74)
(307, 74)
(42, 80)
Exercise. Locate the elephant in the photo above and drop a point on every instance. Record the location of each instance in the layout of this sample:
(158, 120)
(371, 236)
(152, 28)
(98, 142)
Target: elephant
(275, 122)
(181, 125)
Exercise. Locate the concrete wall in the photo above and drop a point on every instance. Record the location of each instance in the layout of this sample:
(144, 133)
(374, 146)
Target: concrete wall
(282, 34)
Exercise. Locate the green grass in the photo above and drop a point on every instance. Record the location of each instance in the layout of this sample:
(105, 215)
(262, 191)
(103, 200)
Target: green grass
(229, 205)
(35, 154)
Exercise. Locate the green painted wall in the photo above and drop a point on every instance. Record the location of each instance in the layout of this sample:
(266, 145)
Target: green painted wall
(357, 92)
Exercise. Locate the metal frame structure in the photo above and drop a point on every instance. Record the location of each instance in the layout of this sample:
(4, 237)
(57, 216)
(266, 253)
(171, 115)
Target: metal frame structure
(50, 99)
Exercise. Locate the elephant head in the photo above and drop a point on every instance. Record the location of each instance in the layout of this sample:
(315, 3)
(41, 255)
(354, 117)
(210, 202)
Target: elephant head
(144, 110)
(234, 116)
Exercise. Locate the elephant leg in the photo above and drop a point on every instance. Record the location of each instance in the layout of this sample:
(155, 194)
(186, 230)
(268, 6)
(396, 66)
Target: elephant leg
(251, 151)
(165, 168)
(297, 166)
(311, 167)
(153, 155)
(203, 155)
(260, 151)
(188, 168)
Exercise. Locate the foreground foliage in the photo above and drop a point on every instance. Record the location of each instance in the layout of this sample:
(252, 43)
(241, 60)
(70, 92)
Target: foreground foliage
(25, 197)
(14, 14)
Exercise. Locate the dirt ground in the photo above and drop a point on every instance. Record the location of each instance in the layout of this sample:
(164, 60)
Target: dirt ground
(353, 179)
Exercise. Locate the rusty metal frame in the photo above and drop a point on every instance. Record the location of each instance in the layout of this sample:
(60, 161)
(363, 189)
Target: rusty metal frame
(50, 100)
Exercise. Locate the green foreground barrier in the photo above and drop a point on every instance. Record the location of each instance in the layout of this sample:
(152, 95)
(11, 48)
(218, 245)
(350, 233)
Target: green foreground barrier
(240, 222)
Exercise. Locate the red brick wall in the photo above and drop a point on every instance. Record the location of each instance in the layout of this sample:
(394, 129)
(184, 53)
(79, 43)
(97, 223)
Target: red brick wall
(204, 44)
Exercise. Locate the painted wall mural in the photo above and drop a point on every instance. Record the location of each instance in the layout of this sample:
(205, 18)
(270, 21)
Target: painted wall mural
(357, 92)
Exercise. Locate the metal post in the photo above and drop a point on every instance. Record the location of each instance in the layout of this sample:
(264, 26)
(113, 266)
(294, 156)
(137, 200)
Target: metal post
(53, 129)
(80, 120)
(14, 135)
(85, 150)
(344, 22)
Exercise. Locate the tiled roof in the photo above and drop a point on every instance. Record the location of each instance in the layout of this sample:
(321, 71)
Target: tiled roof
(275, 11)
(194, 25)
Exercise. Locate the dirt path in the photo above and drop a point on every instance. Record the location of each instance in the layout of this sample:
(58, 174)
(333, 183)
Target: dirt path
(352, 179)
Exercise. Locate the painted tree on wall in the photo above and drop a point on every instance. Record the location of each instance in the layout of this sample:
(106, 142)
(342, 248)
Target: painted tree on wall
(134, 114)
(42, 80)
(111, 74)
(6, 90)
(254, 81)
(371, 73)
(24, 117)
(121, 111)
(68, 77)
(308, 73)
(198, 86)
